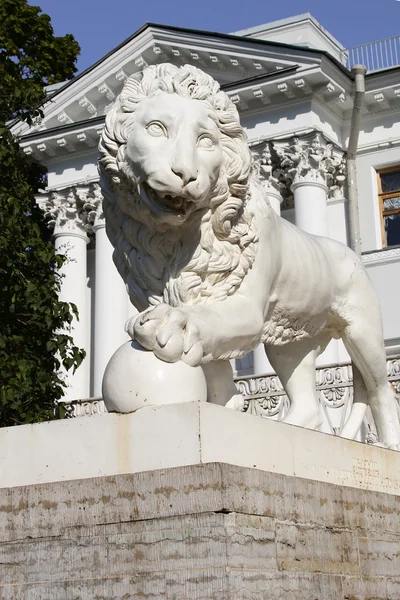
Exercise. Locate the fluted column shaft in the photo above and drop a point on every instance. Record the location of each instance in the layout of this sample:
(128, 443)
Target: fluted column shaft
(310, 206)
(110, 306)
(74, 289)
(71, 211)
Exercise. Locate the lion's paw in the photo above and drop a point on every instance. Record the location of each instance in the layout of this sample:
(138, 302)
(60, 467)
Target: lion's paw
(395, 447)
(236, 403)
(169, 332)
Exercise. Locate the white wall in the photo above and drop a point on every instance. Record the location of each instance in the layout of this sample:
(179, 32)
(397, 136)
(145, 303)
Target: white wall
(386, 280)
(72, 169)
(302, 33)
(282, 121)
(379, 129)
(337, 220)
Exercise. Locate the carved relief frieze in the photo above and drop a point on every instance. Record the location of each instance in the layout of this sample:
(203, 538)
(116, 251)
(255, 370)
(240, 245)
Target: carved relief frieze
(393, 365)
(84, 408)
(264, 395)
(334, 385)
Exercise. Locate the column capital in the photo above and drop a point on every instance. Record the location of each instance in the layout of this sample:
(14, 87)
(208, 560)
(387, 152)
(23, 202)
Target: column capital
(310, 158)
(280, 164)
(267, 170)
(72, 210)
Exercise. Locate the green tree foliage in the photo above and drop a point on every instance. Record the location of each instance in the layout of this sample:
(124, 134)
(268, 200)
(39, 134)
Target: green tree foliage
(30, 58)
(32, 349)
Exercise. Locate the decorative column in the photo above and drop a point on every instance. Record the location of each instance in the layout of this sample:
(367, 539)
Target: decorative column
(312, 170)
(265, 169)
(110, 300)
(307, 163)
(310, 208)
(69, 218)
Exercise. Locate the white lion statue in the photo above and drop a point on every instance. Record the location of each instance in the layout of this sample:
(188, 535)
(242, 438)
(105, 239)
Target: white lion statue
(212, 268)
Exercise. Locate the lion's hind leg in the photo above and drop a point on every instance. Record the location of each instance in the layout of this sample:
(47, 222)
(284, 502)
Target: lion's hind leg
(363, 339)
(295, 366)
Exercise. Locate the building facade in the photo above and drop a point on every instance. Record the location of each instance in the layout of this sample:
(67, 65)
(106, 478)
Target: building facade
(291, 83)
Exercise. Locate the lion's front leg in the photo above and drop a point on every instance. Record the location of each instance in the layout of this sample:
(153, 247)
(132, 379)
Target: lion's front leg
(198, 334)
(170, 333)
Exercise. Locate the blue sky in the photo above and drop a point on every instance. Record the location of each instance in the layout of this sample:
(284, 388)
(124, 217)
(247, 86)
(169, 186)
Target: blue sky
(100, 25)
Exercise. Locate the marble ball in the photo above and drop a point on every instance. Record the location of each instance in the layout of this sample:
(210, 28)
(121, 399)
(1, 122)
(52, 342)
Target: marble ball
(135, 377)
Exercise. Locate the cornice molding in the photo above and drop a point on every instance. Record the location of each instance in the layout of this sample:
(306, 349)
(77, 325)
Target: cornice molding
(379, 146)
(274, 91)
(228, 58)
(386, 255)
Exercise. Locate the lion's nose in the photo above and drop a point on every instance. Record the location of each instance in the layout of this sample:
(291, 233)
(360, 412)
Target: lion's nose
(185, 173)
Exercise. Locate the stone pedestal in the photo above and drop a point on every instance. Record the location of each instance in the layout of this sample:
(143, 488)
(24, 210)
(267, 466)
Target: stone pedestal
(250, 515)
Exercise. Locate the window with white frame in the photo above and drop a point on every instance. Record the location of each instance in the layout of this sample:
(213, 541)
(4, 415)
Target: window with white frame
(389, 201)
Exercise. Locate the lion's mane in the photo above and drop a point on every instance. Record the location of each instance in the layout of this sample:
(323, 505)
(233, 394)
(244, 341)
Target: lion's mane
(165, 263)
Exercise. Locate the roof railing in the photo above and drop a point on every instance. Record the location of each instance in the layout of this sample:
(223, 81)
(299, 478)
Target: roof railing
(376, 56)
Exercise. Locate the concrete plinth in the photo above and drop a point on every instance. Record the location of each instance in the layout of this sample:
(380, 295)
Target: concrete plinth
(188, 434)
(205, 531)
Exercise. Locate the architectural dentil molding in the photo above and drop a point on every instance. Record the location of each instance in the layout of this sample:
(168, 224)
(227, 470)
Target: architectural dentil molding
(209, 265)
(74, 209)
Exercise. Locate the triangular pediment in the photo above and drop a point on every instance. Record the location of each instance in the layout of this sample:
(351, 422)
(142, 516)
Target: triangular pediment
(227, 58)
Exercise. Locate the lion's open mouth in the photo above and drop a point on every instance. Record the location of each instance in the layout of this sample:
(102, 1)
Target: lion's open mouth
(169, 203)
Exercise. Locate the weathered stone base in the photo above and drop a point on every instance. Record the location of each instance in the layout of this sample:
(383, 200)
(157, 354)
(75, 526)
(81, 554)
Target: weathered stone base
(212, 532)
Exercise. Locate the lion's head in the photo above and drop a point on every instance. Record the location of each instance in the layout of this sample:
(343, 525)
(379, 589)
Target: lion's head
(174, 171)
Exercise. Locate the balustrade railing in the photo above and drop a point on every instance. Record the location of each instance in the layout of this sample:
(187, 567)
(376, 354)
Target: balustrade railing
(264, 396)
(376, 56)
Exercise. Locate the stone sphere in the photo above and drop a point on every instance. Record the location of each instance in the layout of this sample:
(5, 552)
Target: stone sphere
(135, 378)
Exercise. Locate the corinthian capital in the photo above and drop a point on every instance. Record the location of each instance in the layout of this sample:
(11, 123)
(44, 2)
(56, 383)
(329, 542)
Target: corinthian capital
(264, 168)
(74, 209)
(267, 168)
(311, 159)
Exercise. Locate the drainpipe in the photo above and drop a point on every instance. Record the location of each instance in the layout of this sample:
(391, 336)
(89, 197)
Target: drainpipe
(359, 408)
(354, 221)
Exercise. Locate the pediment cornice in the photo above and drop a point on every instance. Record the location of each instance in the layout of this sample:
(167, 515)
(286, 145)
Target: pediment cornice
(257, 75)
(280, 88)
(227, 58)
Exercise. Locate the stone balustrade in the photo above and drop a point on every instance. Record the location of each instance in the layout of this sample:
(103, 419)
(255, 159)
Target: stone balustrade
(264, 397)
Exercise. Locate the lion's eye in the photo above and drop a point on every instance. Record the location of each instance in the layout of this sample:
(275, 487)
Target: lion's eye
(156, 129)
(206, 142)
